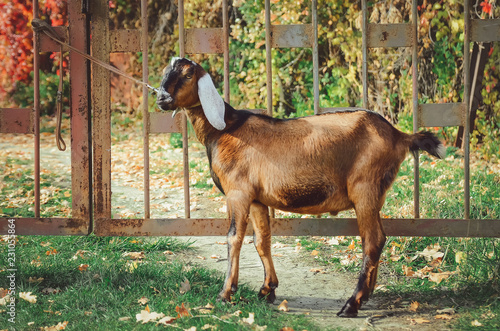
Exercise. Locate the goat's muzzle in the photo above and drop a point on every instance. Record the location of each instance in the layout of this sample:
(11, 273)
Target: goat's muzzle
(164, 101)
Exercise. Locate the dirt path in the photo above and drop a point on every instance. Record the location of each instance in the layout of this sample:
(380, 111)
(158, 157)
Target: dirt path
(319, 295)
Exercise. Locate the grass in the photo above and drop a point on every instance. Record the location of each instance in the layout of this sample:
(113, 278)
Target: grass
(91, 283)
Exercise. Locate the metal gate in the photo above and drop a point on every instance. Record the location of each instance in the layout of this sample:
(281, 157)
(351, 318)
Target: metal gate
(216, 41)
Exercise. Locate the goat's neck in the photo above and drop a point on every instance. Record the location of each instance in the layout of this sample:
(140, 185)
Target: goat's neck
(204, 131)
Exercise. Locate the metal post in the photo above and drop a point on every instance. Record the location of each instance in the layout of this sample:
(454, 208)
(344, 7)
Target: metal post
(185, 154)
(467, 96)
(269, 64)
(225, 29)
(364, 18)
(145, 111)
(414, 66)
(36, 128)
(314, 10)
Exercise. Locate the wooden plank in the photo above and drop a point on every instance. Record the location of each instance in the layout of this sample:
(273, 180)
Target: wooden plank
(442, 114)
(204, 40)
(389, 35)
(485, 30)
(291, 35)
(16, 120)
(125, 40)
(163, 123)
(45, 226)
(299, 227)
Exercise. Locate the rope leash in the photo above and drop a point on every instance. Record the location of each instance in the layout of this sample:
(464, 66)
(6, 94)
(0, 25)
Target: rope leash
(38, 26)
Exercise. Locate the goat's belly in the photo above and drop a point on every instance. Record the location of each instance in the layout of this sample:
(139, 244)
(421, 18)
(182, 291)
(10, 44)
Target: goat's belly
(308, 200)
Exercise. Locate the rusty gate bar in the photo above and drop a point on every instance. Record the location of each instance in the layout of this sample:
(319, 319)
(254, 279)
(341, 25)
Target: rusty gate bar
(314, 9)
(36, 129)
(305, 227)
(145, 110)
(364, 23)
(467, 96)
(269, 65)
(185, 155)
(101, 130)
(414, 78)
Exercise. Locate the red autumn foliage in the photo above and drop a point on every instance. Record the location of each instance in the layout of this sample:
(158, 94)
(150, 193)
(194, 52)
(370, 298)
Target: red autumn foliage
(16, 38)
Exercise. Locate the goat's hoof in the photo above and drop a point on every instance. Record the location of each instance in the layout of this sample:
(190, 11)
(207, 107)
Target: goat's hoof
(223, 298)
(270, 295)
(348, 311)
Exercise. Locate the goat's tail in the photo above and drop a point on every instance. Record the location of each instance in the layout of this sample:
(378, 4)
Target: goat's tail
(428, 142)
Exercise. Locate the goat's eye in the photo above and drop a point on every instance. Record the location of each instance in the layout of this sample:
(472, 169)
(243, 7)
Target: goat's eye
(189, 76)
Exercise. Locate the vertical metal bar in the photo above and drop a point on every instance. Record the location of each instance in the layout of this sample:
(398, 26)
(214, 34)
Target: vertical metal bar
(467, 96)
(269, 64)
(101, 111)
(79, 74)
(185, 152)
(364, 18)
(36, 128)
(315, 55)
(414, 66)
(225, 28)
(145, 112)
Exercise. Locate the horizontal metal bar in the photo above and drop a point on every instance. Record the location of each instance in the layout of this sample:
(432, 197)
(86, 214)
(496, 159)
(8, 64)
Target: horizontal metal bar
(441, 114)
(256, 111)
(163, 123)
(299, 227)
(389, 35)
(45, 226)
(204, 40)
(16, 120)
(292, 35)
(325, 110)
(49, 45)
(125, 40)
(485, 30)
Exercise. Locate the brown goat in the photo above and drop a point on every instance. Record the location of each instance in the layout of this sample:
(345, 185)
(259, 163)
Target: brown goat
(310, 165)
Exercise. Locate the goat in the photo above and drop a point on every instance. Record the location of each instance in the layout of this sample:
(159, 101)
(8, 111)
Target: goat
(310, 165)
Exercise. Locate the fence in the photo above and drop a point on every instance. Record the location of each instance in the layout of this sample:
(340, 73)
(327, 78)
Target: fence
(216, 41)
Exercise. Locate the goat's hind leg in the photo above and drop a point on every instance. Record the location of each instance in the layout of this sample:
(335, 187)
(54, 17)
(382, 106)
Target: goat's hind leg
(259, 214)
(373, 239)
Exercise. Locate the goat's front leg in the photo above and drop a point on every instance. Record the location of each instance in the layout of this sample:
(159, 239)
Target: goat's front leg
(259, 215)
(238, 207)
(373, 239)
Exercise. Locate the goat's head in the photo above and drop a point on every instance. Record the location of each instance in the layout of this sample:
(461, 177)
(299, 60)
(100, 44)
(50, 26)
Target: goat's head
(186, 84)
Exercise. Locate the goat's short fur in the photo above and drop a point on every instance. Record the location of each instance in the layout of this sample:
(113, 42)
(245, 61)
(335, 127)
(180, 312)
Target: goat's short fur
(311, 165)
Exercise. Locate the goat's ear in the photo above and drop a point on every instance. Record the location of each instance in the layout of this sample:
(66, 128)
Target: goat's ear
(211, 101)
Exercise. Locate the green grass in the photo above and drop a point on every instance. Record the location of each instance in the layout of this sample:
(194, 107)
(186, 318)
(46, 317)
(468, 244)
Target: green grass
(109, 284)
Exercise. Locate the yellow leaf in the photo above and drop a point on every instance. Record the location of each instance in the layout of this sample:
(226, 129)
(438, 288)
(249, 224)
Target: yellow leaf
(283, 306)
(67, 194)
(443, 317)
(143, 300)
(476, 323)
(314, 253)
(419, 321)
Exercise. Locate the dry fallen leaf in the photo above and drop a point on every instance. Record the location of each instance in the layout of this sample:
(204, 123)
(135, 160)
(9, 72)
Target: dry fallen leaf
(185, 286)
(59, 326)
(418, 320)
(34, 280)
(182, 311)
(250, 319)
(476, 323)
(414, 306)
(50, 290)
(166, 320)
(449, 311)
(122, 319)
(28, 297)
(143, 300)
(83, 267)
(283, 306)
(443, 317)
(146, 316)
(314, 253)
(438, 277)
(4, 300)
(168, 253)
